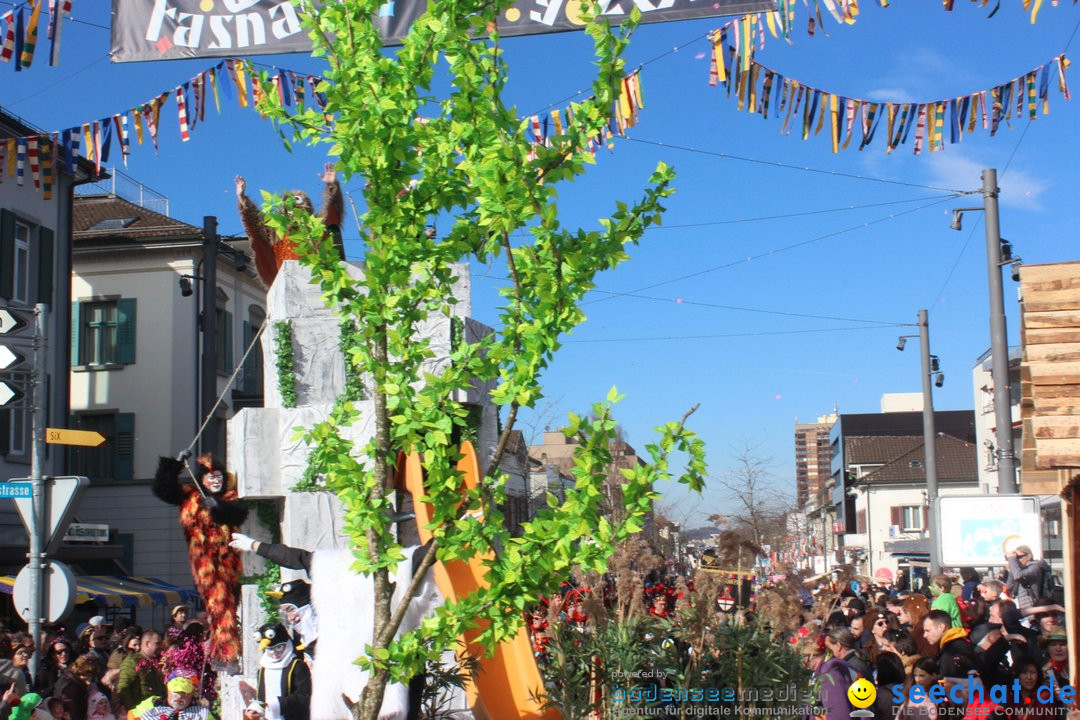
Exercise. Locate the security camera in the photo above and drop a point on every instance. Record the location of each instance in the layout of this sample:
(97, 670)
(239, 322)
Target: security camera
(185, 286)
(939, 379)
(1016, 265)
(957, 220)
(901, 343)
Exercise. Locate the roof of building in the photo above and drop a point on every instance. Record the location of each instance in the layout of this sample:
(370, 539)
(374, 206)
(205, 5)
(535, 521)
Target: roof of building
(110, 218)
(13, 126)
(904, 459)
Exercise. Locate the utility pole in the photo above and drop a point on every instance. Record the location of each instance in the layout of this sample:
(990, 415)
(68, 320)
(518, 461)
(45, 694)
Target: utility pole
(38, 500)
(208, 440)
(999, 340)
(929, 442)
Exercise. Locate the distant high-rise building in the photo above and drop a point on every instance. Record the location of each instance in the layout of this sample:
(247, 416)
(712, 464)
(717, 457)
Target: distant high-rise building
(813, 459)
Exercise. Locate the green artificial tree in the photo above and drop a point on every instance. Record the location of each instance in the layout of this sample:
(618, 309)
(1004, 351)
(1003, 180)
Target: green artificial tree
(461, 154)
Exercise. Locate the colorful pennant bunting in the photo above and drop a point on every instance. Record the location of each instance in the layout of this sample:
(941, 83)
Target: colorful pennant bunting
(1029, 93)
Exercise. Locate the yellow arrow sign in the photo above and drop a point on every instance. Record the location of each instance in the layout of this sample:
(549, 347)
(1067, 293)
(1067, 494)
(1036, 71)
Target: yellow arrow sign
(62, 436)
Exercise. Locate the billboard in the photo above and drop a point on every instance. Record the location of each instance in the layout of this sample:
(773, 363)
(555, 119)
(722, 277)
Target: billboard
(177, 29)
(977, 531)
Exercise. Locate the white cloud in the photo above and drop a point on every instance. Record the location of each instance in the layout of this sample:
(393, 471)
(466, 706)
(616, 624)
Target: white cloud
(951, 168)
(891, 94)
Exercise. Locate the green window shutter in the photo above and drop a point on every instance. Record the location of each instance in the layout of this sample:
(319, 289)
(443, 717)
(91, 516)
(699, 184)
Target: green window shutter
(227, 331)
(7, 254)
(45, 253)
(76, 328)
(125, 331)
(125, 446)
(249, 364)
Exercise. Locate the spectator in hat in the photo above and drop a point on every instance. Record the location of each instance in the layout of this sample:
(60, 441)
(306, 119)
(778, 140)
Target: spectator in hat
(9, 674)
(176, 702)
(1056, 646)
(1027, 578)
(187, 656)
(99, 647)
(20, 664)
(179, 616)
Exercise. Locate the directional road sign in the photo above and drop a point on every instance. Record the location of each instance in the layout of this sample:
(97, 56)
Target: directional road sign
(11, 321)
(62, 498)
(63, 436)
(9, 394)
(10, 359)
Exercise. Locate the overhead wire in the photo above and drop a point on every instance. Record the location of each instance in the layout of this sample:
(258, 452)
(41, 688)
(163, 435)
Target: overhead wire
(730, 335)
(740, 308)
(786, 166)
(769, 253)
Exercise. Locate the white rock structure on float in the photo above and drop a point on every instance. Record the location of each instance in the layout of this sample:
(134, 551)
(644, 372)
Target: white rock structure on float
(268, 458)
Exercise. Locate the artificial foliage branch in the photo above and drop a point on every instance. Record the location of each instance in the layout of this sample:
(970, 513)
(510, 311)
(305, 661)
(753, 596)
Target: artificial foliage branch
(421, 154)
(285, 362)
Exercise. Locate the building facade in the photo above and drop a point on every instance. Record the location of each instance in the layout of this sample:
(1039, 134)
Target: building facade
(35, 267)
(135, 359)
(813, 458)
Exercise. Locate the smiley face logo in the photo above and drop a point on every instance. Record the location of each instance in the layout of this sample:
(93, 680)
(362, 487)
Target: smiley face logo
(862, 693)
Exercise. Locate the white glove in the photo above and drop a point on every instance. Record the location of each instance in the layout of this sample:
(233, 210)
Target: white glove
(242, 542)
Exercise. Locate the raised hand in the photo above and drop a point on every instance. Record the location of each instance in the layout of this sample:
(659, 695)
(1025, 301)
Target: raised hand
(329, 175)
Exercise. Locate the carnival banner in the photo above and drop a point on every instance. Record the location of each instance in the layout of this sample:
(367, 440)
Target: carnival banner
(175, 29)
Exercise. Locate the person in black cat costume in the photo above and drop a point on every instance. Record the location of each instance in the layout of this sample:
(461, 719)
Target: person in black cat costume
(209, 513)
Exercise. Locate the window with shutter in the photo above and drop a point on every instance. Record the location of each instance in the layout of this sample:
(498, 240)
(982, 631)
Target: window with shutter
(96, 463)
(894, 515)
(125, 446)
(227, 331)
(125, 331)
(76, 330)
(7, 254)
(45, 253)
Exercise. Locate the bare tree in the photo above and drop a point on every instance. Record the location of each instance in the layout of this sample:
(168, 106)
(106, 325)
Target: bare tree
(759, 508)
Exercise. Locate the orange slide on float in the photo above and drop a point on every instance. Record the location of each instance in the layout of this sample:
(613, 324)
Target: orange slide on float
(506, 686)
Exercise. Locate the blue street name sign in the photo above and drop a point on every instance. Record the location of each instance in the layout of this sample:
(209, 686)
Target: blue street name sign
(15, 490)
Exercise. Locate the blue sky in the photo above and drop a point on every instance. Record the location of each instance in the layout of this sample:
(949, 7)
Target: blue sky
(756, 369)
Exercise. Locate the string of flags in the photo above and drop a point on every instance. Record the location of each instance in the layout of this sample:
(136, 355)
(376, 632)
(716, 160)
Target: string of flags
(20, 35)
(542, 130)
(37, 158)
(806, 109)
(782, 21)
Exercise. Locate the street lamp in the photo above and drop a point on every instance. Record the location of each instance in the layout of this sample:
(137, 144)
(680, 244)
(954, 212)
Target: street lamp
(998, 253)
(931, 368)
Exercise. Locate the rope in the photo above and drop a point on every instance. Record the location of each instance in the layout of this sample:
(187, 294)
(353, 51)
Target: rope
(206, 421)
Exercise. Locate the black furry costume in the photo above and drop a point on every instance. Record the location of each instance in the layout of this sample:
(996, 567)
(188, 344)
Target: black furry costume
(208, 523)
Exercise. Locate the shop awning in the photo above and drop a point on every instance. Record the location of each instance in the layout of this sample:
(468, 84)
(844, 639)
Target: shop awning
(118, 591)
